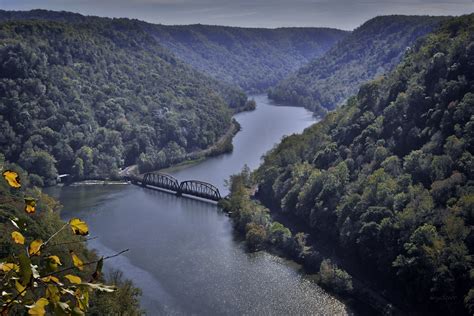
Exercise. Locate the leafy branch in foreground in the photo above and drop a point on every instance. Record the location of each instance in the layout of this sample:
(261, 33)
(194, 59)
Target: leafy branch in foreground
(32, 278)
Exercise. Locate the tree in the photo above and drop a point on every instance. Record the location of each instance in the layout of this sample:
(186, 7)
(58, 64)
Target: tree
(334, 278)
(39, 274)
(422, 258)
(255, 237)
(418, 164)
(78, 168)
(441, 167)
(469, 301)
(42, 164)
(279, 234)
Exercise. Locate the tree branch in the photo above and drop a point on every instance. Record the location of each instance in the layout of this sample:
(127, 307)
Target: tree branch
(73, 242)
(54, 235)
(84, 264)
(5, 308)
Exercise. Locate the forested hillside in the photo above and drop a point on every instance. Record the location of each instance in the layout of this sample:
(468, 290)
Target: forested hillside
(88, 98)
(389, 175)
(371, 50)
(252, 58)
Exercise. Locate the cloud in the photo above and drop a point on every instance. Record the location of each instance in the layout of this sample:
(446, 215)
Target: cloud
(234, 15)
(345, 14)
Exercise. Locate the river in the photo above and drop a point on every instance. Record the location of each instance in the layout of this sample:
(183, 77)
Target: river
(183, 252)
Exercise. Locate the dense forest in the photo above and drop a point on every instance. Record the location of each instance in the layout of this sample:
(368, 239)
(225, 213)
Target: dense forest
(389, 176)
(252, 58)
(87, 99)
(39, 224)
(371, 50)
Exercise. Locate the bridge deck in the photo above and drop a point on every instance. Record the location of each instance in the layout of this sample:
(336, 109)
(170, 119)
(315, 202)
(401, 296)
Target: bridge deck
(195, 188)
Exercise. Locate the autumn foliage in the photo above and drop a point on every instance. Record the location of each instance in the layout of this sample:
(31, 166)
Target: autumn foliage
(39, 276)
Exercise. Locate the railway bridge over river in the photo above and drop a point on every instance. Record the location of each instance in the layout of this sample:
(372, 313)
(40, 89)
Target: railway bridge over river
(157, 180)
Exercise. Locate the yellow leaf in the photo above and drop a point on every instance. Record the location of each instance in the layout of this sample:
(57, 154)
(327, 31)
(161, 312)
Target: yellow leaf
(35, 246)
(55, 259)
(30, 205)
(38, 308)
(76, 261)
(52, 293)
(82, 298)
(51, 278)
(53, 262)
(12, 178)
(73, 279)
(18, 238)
(79, 227)
(76, 311)
(7, 267)
(20, 288)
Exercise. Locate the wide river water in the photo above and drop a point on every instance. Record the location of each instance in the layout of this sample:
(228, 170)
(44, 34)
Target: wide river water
(183, 252)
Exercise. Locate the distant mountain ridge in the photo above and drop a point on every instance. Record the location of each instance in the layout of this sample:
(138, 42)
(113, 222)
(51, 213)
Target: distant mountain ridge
(251, 58)
(371, 50)
(254, 59)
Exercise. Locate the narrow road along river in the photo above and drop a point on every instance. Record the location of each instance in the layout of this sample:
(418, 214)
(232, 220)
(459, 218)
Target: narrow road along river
(184, 255)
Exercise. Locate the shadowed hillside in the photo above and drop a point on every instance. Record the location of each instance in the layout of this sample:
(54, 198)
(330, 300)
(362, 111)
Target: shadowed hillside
(89, 98)
(373, 49)
(254, 59)
(389, 175)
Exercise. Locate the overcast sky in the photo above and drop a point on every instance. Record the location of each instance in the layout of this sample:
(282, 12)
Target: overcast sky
(343, 14)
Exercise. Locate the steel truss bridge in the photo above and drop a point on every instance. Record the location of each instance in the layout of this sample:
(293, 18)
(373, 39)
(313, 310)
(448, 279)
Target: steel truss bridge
(164, 181)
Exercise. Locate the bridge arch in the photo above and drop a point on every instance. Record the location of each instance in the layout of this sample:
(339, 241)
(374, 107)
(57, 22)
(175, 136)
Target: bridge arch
(161, 180)
(200, 189)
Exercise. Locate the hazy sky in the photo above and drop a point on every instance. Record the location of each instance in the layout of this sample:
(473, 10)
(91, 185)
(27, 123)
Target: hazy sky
(345, 14)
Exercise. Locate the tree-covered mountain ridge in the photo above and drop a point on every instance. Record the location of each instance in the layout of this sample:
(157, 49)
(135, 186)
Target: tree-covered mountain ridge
(371, 50)
(89, 98)
(389, 175)
(251, 58)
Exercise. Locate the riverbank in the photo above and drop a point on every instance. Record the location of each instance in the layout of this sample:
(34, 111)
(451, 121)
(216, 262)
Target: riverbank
(365, 293)
(250, 105)
(261, 231)
(96, 182)
(223, 145)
